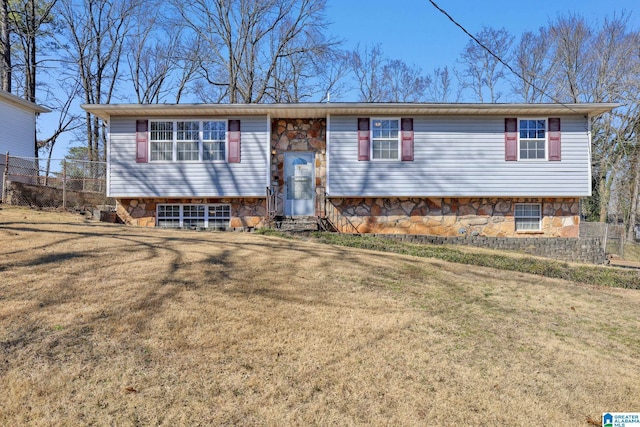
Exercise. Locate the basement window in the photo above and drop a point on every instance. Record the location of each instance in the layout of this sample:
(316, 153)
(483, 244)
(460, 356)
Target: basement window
(528, 216)
(191, 216)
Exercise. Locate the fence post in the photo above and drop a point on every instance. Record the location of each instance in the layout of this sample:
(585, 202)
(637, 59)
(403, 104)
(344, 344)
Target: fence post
(64, 184)
(5, 176)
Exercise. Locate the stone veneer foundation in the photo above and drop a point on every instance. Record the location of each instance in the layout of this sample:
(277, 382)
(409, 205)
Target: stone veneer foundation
(451, 216)
(245, 212)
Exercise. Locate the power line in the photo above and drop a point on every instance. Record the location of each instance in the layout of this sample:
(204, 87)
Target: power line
(499, 59)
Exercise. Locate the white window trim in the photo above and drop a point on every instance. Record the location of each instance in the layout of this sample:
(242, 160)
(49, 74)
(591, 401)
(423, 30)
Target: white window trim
(151, 141)
(200, 121)
(546, 139)
(206, 213)
(539, 217)
(371, 120)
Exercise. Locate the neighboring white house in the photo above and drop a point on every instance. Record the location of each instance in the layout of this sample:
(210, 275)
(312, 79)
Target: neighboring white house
(17, 127)
(442, 169)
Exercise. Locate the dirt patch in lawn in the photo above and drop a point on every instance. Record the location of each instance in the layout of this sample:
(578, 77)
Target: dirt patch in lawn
(106, 324)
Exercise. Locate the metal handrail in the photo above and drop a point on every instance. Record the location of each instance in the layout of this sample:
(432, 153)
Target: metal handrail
(328, 212)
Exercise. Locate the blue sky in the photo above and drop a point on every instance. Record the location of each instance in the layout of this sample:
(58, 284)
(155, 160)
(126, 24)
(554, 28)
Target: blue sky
(417, 33)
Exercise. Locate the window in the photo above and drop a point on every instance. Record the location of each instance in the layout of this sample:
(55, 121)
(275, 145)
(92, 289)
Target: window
(219, 216)
(213, 140)
(169, 216)
(533, 139)
(527, 216)
(385, 139)
(161, 140)
(188, 137)
(193, 216)
(214, 217)
(188, 140)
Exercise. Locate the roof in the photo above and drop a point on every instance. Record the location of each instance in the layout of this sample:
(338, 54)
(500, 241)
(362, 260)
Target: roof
(22, 103)
(317, 110)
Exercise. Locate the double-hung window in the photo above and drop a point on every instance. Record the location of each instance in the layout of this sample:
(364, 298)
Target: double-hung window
(188, 140)
(161, 137)
(533, 138)
(213, 140)
(528, 216)
(385, 139)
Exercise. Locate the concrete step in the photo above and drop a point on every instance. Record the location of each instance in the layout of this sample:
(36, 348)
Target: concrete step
(296, 224)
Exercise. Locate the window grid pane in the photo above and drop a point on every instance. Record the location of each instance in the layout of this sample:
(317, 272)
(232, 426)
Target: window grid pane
(219, 216)
(214, 137)
(188, 131)
(384, 138)
(527, 216)
(169, 216)
(161, 138)
(188, 150)
(532, 139)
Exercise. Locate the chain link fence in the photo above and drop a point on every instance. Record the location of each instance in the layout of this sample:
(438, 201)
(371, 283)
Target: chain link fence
(53, 183)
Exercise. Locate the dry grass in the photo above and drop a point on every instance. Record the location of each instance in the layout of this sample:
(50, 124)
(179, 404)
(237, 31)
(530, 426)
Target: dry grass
(112, 325)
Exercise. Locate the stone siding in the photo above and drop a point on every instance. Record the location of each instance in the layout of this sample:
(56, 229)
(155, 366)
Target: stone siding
(245, 212)
(287, 135)
(452, 216)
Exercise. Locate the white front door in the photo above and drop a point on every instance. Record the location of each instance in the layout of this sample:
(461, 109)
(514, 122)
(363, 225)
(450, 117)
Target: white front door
(299, 189)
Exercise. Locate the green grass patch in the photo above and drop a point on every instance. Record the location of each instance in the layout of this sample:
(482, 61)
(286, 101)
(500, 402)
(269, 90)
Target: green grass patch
(265, 231)
(594, 275)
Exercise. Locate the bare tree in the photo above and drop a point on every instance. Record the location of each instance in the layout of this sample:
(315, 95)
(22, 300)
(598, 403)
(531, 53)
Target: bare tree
(440, 89)
(245, 43)
(572, 40)
(67, 120)
(32, 23)
(367, 65)
(404, 83)
(160, 61)
(533, 62)
(381, 79)
(482, 71)
(95, 35)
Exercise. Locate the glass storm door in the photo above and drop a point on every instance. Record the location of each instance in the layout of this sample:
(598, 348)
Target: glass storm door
(299, 191)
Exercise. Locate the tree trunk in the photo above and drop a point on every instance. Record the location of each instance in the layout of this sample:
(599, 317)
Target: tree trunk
(633, 211)
(5, 47)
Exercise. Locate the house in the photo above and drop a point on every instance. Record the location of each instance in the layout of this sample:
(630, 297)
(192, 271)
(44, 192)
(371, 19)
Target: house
(508, 170)
(17, 127)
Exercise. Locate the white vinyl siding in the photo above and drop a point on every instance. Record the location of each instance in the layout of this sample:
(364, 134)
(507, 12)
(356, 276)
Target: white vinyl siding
(17, 131)
(457, 156)
(126, 178)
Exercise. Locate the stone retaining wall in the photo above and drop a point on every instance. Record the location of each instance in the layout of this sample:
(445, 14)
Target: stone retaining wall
(23, 194)
(454, 216)
(587, 250)
(245, 212)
